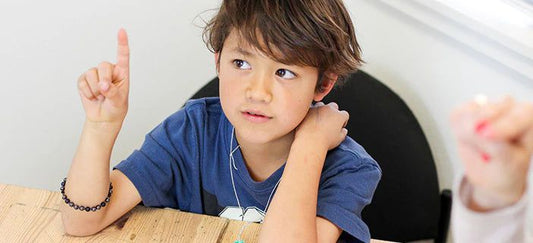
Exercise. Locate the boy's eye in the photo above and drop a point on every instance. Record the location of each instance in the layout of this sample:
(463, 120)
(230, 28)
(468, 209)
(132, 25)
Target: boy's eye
(241, 64)
(286, 74)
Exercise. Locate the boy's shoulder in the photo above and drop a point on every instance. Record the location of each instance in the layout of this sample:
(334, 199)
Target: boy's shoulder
(209, 104)
(351, 154)
(195, 112)
(198, 109)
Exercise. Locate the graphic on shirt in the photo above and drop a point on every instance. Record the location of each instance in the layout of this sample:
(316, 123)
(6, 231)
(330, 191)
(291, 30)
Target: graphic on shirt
(251, 214)
(212, 207)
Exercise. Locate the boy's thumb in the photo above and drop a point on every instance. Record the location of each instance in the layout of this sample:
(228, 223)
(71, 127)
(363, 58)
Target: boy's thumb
(104, 87)
(107, 89)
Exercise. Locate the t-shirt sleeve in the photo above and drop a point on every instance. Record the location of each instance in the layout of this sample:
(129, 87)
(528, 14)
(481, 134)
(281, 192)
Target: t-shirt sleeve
(163, 168)
(345, 189)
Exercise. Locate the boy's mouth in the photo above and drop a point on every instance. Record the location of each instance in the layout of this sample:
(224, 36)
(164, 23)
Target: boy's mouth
(255, 113)
(255, 116)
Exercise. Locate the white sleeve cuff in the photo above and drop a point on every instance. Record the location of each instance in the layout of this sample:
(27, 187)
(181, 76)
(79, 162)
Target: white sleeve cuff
(500, 225)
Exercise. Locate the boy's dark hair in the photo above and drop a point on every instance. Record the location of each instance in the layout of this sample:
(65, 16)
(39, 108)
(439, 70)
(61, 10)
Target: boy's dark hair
(316, 33)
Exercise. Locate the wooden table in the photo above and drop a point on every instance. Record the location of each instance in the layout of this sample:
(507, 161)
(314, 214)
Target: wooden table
(32, 215)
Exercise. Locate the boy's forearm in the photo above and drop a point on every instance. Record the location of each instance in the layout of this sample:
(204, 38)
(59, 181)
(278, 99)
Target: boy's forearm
(292, 213)
(88, 177)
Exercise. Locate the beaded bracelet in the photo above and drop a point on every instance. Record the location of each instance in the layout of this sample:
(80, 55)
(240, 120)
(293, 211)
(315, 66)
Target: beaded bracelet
(84, 208)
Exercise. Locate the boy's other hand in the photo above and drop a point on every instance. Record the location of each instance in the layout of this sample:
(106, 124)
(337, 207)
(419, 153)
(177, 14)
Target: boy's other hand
(495, 144)
(324, 124)
(104, 89)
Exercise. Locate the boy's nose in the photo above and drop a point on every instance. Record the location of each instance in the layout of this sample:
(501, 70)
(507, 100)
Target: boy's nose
(259, 89)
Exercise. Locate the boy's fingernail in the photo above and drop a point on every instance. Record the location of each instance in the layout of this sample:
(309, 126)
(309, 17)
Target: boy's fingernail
(485, 157)
(104, 86)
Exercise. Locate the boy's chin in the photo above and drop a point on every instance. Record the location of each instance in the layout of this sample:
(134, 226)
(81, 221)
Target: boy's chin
(252, 136)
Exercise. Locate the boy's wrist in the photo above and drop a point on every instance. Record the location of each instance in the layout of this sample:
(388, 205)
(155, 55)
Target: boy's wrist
(103, 127)
(309, 143)
(309, 146)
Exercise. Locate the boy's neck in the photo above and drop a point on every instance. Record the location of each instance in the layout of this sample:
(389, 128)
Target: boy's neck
(264, 159)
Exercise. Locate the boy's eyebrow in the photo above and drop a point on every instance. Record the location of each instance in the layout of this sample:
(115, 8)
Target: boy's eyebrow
(242, 51)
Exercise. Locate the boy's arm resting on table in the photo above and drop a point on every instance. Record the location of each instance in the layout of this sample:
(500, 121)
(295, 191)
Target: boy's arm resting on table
(88, 183)
(505, 224)
(124, 198)
(335, 206)
(292, 214)
(327, 231)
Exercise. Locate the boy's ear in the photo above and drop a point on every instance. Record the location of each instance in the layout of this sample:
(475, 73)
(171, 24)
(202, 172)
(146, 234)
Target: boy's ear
(217, 63)
(328, 81)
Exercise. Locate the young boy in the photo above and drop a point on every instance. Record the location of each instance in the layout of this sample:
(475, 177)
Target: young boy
(228, 156)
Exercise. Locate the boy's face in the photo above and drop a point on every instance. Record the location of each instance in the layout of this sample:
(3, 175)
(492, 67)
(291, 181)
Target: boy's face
(264, 100)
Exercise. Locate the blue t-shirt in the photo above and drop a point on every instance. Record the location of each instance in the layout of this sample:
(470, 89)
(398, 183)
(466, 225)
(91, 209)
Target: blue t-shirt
(184, 163)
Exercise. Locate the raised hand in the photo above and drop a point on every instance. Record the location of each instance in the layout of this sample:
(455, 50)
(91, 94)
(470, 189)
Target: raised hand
(104, 89)
(495, 143)
(324, 124)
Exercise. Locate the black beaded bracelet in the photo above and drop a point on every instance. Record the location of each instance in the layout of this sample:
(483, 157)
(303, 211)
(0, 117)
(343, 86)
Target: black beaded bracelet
(85, 208)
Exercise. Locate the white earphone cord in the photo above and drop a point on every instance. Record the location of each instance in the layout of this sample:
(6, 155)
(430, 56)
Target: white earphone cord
(232, 162)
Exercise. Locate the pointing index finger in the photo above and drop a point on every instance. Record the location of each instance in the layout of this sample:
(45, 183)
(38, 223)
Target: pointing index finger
(123, 50)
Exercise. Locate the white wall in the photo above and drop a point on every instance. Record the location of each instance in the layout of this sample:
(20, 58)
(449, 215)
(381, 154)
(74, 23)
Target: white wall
(45, 46)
